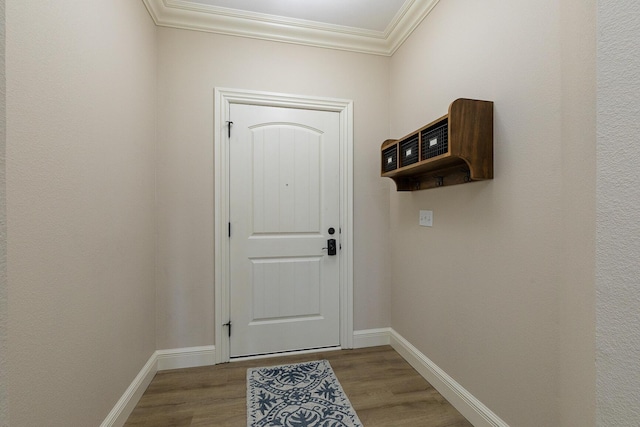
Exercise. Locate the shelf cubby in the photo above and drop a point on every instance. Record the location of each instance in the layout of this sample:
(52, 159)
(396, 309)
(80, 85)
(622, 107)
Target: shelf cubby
(456, 148)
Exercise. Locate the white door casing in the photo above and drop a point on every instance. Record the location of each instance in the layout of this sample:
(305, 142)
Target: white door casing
(284, 200)
(224, 99)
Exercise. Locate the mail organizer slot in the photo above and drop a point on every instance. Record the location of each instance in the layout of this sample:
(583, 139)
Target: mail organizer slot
(390, 159)
(409, 151)
(435, 141)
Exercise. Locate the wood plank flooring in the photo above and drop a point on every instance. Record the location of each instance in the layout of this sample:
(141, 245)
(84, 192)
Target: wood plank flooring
(382, 387)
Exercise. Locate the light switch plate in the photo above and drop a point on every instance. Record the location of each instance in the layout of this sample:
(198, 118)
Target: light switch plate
(426, 218)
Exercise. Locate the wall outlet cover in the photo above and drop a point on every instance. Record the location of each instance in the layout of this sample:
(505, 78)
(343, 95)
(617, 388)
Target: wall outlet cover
(426, 218)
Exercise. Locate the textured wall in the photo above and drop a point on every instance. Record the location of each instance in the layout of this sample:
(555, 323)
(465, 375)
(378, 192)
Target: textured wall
(191, 64)
(80, 206)
(488, 293)
(618, 204)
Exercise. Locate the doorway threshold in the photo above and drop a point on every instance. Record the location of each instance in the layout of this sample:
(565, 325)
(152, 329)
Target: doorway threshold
(284, 353)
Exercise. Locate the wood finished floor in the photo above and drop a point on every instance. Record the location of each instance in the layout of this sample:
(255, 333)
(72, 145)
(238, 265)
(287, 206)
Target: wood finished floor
(382, 387)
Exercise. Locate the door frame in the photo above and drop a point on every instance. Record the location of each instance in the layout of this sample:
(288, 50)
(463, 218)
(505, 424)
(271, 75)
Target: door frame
(223, 98)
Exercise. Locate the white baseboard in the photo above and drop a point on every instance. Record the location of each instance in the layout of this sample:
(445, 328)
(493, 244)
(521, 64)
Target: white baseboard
(371, 337)
(123, 408)
(468, 405)
(160, 360)
(189, 357)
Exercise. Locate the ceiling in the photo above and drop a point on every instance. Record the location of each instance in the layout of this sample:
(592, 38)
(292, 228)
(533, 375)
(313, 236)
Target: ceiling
(368, 26)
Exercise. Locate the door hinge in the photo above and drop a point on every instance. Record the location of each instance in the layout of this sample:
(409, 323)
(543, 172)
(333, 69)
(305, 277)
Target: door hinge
(229, 123)
(229, 325)
(229, 229)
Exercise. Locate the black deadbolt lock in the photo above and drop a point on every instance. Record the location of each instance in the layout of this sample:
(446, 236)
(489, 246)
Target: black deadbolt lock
(331, 230)
(331, 247)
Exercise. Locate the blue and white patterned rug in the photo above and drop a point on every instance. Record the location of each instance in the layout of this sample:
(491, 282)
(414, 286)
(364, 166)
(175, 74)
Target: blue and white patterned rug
(301, 395)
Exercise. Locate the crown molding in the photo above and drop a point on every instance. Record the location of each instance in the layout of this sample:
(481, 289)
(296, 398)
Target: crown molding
(187, 15)
(407, 20)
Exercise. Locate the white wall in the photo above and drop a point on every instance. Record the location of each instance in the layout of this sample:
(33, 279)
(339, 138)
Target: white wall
(488, 293)
(4, 413)
(499, 293)
(576, 301)
(618, 204)
(191, 64)
(80, 206)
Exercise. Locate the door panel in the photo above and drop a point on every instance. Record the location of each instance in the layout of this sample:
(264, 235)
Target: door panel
(284, 196)
(285, 288)
(286, 179)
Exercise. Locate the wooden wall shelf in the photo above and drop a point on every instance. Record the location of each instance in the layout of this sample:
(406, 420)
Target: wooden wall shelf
(454, 149)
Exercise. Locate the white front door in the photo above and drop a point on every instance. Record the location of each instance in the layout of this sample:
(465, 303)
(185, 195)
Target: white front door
(284, 203)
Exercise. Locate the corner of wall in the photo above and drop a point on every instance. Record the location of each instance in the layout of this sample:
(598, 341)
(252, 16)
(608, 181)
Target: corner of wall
(128, 401)
(160, 360)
